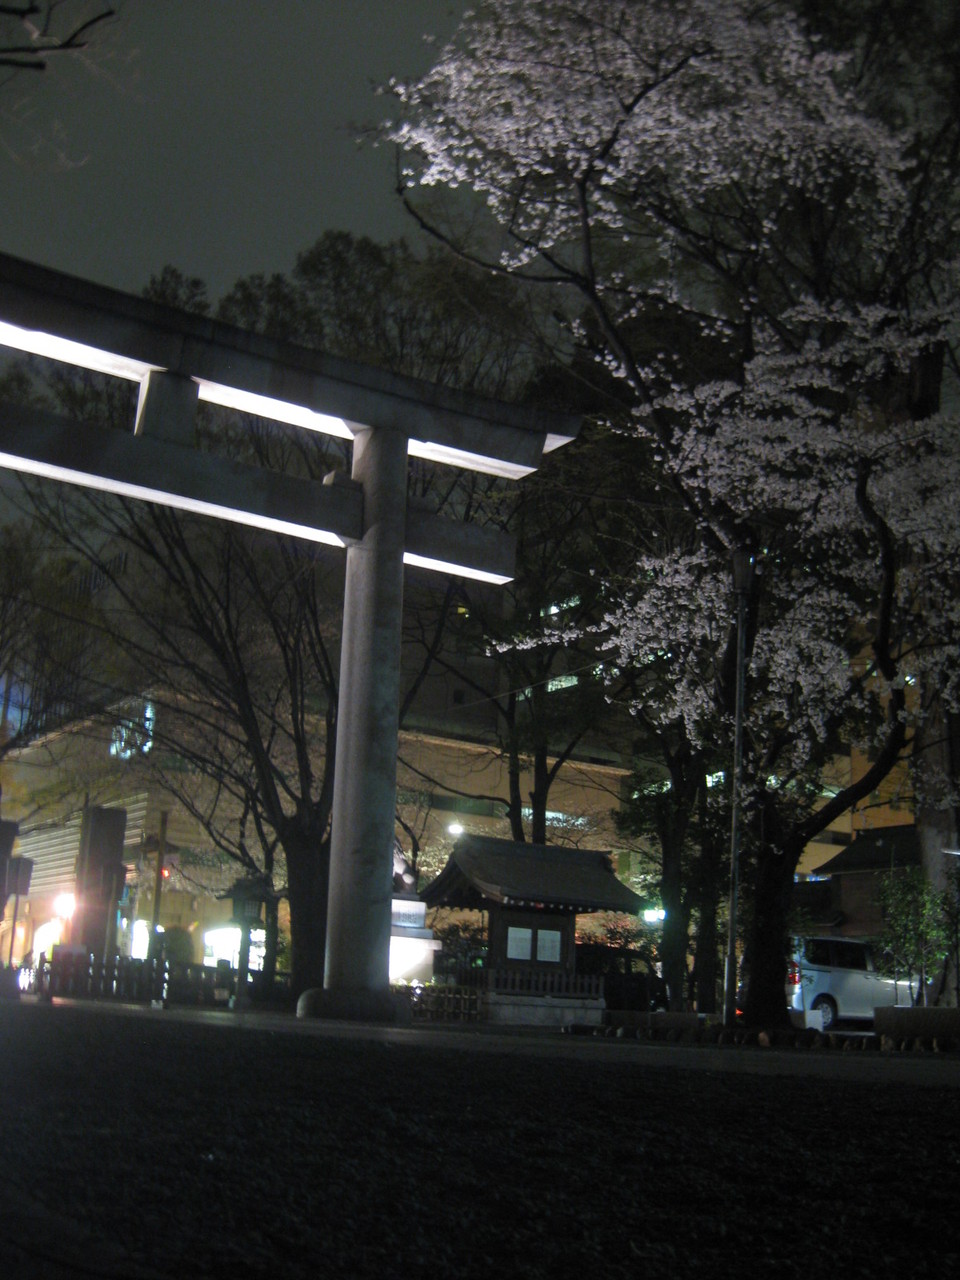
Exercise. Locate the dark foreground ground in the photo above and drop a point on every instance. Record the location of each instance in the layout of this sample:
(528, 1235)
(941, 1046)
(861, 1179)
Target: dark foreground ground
(142, 1145)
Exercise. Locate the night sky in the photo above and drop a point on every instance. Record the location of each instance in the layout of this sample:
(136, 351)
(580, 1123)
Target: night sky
(216, 135)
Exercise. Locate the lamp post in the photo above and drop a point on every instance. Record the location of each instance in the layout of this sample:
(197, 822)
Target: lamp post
(743, 566)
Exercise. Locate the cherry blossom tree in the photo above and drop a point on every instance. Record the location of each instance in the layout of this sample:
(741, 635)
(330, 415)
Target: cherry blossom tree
(781, 189)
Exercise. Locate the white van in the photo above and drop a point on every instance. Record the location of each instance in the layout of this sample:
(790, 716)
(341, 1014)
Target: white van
(837, 976)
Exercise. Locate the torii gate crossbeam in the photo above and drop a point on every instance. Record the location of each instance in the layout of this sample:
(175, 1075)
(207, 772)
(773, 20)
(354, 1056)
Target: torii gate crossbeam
(177, 359)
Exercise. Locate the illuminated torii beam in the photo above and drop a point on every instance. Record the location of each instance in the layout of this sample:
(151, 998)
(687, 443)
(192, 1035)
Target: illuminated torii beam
(67, 319)
(178, 359)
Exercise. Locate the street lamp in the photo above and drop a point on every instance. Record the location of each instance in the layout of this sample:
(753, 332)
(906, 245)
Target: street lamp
(743, 566)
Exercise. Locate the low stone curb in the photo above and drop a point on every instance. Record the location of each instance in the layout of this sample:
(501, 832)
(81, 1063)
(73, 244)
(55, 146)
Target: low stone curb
(905, 1035)
(937, 1022)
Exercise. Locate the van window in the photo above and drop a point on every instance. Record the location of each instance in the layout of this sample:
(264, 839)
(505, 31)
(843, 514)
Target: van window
(817, 951)
(851, 955)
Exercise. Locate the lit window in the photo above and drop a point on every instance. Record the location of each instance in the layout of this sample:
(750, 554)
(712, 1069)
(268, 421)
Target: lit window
(133, 736)
(519, 943)
(555, 818)
(548, 945)
(560, 682)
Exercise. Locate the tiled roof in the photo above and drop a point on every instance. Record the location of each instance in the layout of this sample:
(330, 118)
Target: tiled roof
(482, 870)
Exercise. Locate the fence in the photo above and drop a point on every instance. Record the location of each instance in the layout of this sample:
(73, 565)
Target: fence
(545, 982)
(75, 974)
(446, 1003)
(464, 1001)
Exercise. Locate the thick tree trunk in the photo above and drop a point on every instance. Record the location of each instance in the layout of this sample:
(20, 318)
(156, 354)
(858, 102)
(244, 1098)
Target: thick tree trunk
(673, 823)
(674, 939)
(707, 962)
(766, 1004)
(674, 936)
(308, 870)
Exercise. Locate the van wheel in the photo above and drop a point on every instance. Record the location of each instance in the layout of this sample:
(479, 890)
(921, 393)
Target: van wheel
(828, 1010)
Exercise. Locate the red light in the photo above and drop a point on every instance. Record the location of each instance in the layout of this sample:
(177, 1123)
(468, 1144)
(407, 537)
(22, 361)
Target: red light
(793, 974)
(166, 873)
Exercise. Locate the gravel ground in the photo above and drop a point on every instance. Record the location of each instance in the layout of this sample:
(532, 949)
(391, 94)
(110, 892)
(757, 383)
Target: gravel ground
(142, 1147)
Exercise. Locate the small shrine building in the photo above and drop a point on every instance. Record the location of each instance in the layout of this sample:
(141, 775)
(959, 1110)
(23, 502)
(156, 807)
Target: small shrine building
(532, 894)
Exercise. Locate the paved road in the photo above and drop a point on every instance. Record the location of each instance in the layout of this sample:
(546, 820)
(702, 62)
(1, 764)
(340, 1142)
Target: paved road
(151, 1144)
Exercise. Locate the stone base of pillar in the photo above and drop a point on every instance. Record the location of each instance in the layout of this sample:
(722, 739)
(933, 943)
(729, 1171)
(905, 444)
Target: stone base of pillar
(355, 1006)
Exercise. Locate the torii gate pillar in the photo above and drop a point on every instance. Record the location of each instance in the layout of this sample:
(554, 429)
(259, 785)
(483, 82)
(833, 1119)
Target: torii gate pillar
(356, 975)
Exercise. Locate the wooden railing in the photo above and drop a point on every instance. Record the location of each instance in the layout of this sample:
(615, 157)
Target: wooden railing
(545, 982)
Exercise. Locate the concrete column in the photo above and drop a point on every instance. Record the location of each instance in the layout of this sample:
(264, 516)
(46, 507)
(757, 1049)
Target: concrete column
(364, 800)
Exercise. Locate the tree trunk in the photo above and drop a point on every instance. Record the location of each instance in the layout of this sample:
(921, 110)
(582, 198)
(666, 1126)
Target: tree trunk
(538, 796)
(308, 870)
(674, 939)
(272, 931)
(673, 822)
(766, 1004)
(707, 962)
(515, 810)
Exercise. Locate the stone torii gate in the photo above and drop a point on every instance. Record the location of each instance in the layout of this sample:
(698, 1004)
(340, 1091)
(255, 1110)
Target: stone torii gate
(178, 359)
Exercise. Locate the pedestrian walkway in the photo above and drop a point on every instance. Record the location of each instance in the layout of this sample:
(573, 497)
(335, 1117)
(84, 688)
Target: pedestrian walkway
(849, 1057)
(152, 1144)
